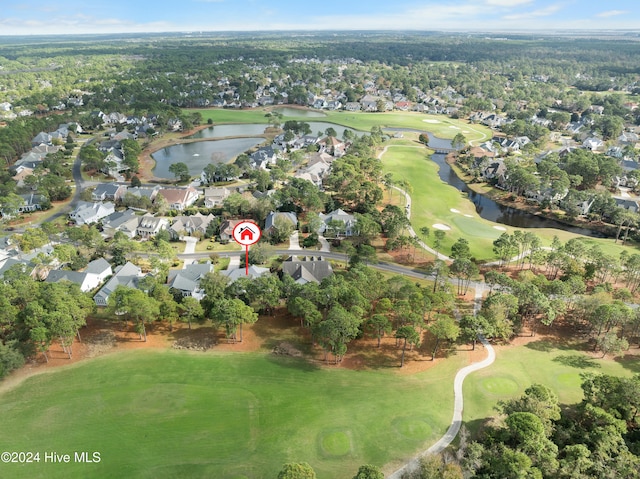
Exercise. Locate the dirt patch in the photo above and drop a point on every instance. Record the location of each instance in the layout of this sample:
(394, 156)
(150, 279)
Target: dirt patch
(287, 349)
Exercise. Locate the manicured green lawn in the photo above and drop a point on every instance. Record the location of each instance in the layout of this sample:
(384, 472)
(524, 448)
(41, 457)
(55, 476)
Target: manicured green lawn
(516, 368)
(433, 200)
(172, 414)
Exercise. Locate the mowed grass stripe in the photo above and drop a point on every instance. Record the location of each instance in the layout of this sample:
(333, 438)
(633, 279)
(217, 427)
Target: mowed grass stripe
(432, 201)
(175, 414)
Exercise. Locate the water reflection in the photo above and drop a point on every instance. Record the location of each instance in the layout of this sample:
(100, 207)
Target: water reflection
(199, 154)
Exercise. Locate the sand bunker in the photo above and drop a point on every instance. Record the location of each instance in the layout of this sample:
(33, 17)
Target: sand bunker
(469, 216)
(501, 228)
(454, 127)
(440, 226)
(432, 121)
(453, 210)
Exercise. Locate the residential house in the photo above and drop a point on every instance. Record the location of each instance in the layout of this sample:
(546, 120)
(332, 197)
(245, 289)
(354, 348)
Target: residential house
(226, 229)
(307, 269)
(108, 192)
(179, 198)
(187, 280)
(494, 171)
(89, 213)
(125, 222)
(150, 225)
(547, 194)
(21, 172)
(214, 197)
(125, 275)
(33, 202)
(144, 191)
(40, 138)
(274, 216)
(337, 223)
(333, 146)
(24, 265)
(352, 106)
(263, 157)
(114, 164)
(615, 152)
(237, 273)
(304, 141)
(625, 181)
(95, 273)
(628, 138)
(190, 225)
(627, 204)
(593, 143)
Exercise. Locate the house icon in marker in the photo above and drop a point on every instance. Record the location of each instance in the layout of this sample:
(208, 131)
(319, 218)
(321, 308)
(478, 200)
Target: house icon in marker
(246, 234)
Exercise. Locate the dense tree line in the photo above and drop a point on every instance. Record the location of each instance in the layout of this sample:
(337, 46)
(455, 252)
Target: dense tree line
(536, 437)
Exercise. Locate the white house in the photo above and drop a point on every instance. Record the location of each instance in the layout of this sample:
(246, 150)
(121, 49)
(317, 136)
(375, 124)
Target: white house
(89, 213)
(126, 275)
(331, 221)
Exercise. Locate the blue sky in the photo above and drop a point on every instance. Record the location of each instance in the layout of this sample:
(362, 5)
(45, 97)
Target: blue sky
(32, 17)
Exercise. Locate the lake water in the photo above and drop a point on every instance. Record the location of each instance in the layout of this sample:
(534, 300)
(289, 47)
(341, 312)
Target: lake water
(299, 112)
(222, 131)
(251, 129)
(199, 154)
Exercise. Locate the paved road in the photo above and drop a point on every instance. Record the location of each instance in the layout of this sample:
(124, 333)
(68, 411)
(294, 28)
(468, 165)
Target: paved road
(413, 233)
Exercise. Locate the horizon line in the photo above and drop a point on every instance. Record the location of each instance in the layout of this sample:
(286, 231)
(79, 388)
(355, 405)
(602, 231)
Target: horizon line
(514, 31)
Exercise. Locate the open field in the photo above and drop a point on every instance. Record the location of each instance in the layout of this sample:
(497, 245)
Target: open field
(155, 414)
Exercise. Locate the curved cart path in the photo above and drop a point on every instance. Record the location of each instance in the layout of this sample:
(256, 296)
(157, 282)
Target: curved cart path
(458, 402)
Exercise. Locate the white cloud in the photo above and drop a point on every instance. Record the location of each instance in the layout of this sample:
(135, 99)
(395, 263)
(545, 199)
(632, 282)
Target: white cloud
(507, 3)
(542, 12)
(612, 13)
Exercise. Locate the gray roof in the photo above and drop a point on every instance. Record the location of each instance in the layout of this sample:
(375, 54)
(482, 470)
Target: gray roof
(307, 269)
(188, 279)
(271, 219)
(237, 273)
(126, 275)
(64, 275)
(9, 262)
(109, 189)
(98, 266)
(114, 220)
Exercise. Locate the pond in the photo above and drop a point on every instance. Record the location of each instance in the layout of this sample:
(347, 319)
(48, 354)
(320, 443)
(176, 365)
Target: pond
(222, 131)
(199, 154)
(299, 112)
(251, 129)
